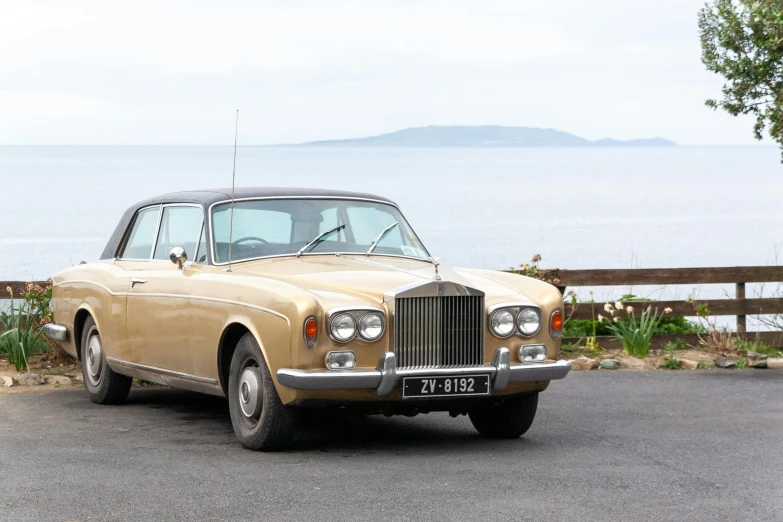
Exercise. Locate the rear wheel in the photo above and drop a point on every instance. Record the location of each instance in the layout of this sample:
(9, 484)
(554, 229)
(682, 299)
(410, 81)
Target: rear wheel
(506, 418)
(104, 385)
(260, 420)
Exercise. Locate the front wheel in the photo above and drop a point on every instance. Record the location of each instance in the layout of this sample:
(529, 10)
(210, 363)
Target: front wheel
(104, 385)
(260, 420)
(506, 418)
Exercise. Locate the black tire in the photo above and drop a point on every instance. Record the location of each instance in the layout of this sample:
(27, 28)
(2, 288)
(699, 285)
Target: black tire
(507, 418)
(272, 425)
(104, 385)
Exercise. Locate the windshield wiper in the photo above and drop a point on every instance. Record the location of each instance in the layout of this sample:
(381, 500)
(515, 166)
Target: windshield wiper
(381, 236)
(318, 239)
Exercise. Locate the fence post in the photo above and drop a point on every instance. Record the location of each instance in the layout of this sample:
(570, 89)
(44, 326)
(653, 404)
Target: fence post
(741, 319)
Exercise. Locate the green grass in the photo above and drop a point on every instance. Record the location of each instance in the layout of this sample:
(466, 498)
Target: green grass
(758, 347)
(671, 364)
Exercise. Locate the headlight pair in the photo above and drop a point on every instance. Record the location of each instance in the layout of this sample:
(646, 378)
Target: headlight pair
(525, 320)
(345, 326)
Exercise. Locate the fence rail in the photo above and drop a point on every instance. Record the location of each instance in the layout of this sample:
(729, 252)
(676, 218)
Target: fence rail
(740, 306)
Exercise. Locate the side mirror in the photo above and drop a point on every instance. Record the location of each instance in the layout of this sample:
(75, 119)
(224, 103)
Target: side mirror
(178, 256)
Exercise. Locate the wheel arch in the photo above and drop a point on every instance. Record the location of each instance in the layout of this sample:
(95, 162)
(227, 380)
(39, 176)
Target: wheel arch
(229, 339)
(79, 319)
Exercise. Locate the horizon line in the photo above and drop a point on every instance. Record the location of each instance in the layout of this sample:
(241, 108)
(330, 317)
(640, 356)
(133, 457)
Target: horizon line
(312, 144)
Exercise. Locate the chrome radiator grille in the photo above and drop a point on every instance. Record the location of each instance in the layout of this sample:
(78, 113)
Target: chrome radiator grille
(445, 331)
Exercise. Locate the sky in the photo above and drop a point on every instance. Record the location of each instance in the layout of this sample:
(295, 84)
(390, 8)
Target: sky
(167, 72)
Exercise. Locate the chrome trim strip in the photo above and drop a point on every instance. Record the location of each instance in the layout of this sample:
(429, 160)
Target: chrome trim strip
(386, 376)
(56, 332)
(162, 371)
(177, 296)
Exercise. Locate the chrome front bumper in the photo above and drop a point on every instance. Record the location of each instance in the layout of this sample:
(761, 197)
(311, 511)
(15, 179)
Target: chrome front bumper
(386, 376)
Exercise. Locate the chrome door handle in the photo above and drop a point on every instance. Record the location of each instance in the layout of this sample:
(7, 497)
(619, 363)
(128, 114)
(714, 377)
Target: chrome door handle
(135, 282)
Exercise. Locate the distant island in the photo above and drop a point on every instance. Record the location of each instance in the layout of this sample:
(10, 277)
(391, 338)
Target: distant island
(483, 136)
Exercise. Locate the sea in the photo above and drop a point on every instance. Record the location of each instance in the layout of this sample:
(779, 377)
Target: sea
(494, 208)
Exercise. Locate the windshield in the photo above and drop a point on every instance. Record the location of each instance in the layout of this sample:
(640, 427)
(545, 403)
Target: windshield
(275, 227)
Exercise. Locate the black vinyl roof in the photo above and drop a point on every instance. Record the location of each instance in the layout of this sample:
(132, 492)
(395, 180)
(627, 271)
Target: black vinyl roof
(210, 196)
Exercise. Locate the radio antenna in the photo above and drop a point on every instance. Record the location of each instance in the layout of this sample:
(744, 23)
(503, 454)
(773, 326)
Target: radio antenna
(233, 185)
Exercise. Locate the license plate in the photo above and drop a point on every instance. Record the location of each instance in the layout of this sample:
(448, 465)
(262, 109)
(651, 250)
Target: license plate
(446, 386)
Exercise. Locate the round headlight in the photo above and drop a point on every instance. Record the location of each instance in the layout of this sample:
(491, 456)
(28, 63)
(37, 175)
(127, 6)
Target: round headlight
(371, 326)
(502, 323)
(529, 321)
(343, 327)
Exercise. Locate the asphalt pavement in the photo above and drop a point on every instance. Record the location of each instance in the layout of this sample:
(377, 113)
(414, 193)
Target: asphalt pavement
(605, 445)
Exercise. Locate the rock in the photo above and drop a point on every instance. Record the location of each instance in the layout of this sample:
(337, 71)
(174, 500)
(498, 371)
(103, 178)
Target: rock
(79, 379)
(584, 363)
(60, 380)
(29, 379)
(723, 362)
(610, 364)
(757, 360)
(8, 382)
(774, 362)
(603, 356)
(689, 364)
(632, 363)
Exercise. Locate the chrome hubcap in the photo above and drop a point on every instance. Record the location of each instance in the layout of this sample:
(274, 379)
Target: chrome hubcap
(250, 394)
(94, 359)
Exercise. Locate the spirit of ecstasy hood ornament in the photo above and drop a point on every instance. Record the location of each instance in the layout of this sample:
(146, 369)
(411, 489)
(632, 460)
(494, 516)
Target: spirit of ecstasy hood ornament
(436, 264)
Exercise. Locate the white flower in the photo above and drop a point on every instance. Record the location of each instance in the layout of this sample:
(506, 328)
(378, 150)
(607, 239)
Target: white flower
(667, 310)
(629, 309)
(601, 318)
(616, 319)
(608, 307)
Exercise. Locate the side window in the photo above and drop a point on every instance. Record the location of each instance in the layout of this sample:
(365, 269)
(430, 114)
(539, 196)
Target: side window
(179, 227)
(139, 243)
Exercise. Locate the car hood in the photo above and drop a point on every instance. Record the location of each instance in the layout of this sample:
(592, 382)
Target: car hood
(369, 278)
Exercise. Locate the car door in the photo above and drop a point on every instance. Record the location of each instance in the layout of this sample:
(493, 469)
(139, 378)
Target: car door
(158, 304)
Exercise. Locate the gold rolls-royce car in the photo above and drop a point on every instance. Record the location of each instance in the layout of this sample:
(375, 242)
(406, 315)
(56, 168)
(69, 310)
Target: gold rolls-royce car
(284, 299)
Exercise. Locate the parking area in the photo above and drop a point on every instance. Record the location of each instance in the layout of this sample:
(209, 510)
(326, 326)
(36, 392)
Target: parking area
(606, 445)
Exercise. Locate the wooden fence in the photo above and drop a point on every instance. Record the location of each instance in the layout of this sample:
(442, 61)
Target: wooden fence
(740, 306)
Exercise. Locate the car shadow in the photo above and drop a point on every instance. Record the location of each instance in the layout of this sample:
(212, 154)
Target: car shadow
(330, 430)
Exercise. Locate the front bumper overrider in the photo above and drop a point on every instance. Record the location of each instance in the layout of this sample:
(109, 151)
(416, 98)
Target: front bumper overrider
(386, 376)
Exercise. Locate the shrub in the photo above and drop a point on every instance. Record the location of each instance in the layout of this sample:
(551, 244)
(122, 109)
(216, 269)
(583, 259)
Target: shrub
(23, 326)
(634, 334)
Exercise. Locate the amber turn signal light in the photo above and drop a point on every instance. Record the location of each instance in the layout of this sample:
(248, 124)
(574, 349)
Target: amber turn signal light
(556, 324)
(310, 331)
